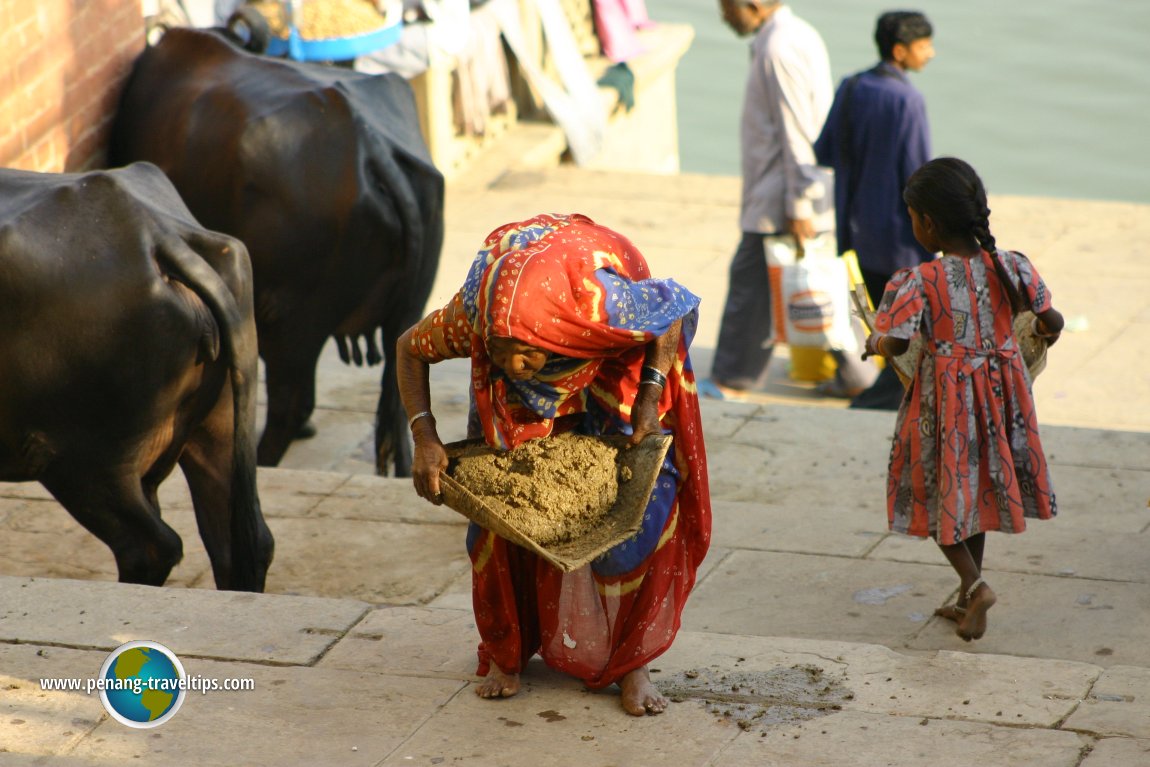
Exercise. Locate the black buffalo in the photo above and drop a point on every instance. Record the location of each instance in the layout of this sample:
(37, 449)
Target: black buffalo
(324, 175)
(128, 345)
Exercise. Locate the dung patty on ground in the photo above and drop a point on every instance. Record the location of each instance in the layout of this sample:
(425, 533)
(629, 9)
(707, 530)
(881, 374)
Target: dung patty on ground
(553, 489)
(759, 700)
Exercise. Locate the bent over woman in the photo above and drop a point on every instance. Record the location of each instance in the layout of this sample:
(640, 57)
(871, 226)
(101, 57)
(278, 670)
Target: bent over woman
(566, 330)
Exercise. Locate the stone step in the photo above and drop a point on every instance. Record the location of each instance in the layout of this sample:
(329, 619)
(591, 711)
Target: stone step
(339, 681)
(798, 498)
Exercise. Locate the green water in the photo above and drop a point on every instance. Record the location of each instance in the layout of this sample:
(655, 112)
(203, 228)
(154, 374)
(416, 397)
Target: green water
(1043, 97)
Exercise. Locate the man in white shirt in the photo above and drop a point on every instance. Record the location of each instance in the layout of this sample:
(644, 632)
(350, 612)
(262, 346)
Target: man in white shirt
(785, 193)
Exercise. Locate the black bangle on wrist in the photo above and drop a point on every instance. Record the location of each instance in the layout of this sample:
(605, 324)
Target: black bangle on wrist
(652, 375)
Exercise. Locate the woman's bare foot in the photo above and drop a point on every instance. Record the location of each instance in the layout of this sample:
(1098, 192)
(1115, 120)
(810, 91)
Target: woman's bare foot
(979, 600)
(640, 696)
(498, 684)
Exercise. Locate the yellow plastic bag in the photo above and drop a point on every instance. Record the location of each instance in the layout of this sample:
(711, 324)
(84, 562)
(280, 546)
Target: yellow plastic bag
(854, 274)
(828, 307)
(811, 363)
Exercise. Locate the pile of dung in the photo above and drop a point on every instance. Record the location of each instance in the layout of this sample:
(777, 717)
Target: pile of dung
(553, 490)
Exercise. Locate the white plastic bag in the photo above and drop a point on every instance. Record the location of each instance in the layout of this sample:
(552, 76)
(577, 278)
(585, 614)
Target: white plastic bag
(780, 255)
(816, 300)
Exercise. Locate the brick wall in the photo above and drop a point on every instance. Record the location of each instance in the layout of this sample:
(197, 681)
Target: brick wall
(62, 63)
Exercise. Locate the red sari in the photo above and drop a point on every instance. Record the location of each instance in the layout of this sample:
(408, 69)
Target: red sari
(584, 293)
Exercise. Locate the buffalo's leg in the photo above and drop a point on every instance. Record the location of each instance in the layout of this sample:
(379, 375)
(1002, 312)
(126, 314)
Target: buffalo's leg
(392, 441)
(392, 435)
(231, 525)
(117, 511)
(291, 401)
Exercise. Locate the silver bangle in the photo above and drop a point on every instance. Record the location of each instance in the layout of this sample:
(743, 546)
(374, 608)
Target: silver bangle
(421, 414)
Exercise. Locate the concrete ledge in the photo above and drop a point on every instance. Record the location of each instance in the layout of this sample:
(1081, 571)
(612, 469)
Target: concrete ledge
(646, 137)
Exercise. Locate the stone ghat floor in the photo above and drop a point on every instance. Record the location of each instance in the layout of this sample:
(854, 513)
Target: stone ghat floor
(809, 639)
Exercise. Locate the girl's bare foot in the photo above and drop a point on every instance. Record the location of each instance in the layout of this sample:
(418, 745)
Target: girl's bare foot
(498, 684)
(979, 599)
(640, 696)
(953, 612)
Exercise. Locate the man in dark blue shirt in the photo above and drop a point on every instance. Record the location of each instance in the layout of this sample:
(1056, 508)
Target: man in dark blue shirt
(875, 137)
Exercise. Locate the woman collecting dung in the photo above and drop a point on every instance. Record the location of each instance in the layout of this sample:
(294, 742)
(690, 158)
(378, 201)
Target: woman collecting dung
(566, 330)
(966, 456)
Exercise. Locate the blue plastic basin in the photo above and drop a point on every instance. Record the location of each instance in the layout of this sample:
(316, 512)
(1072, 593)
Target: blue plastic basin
(335, 48)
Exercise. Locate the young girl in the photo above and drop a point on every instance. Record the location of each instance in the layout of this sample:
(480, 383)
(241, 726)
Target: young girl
(966, 456)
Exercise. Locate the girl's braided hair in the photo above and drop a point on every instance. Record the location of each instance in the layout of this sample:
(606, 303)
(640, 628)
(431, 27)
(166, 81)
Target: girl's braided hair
(951, 193)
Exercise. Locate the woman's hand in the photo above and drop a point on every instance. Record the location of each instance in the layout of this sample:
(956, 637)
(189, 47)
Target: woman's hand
(657, 360)
(430, 459)
(645, 413)
(415, 391)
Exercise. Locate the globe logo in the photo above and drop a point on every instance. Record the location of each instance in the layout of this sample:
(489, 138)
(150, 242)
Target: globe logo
(142, 684)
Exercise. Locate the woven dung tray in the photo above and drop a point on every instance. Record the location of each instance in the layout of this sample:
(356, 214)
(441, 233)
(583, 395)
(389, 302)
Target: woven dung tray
(622, 520)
